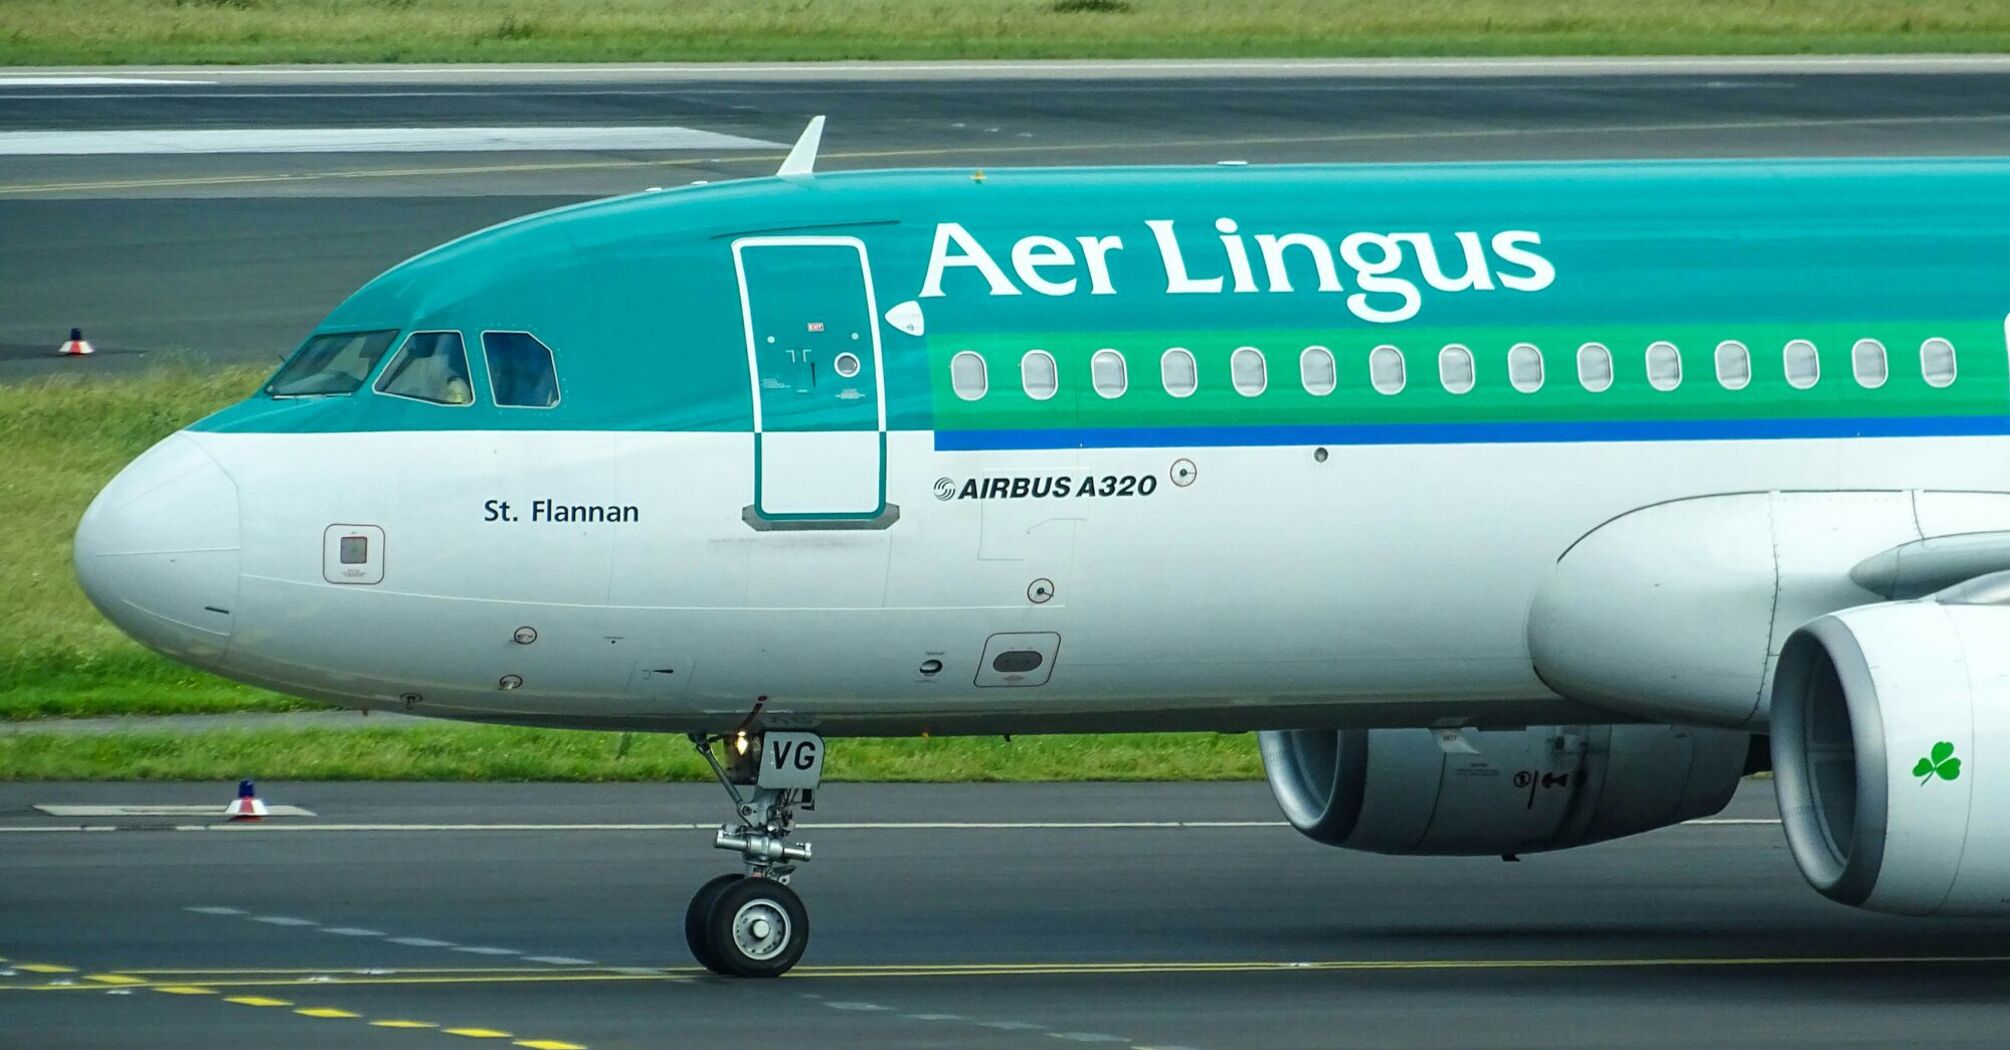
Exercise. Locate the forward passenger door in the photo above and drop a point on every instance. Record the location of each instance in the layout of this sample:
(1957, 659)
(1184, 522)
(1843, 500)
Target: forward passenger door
(819, 399)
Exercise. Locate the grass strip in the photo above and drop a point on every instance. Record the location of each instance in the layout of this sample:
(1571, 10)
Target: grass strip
(499, 753)
(64, 438)
(61, 32)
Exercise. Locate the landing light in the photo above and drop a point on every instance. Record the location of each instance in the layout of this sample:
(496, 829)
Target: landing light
(740, 744)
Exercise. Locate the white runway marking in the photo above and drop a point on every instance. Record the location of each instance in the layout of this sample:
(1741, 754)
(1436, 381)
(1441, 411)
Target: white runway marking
(1075, 825)
(7, 82)
(410, 942)
(367, 140)
(161, 811)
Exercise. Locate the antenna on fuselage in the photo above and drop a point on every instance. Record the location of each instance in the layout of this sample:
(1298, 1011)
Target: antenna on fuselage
(803, 157)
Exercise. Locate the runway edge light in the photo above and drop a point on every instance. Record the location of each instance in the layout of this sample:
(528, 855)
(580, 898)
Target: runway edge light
(76, 345)
(248, 806)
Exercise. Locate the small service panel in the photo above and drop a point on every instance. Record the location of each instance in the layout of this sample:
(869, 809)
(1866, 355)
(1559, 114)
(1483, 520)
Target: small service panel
(352, 554)
(1020, 659)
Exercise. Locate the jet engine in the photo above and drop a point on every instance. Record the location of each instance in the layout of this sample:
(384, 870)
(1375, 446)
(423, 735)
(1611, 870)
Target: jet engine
(1889, 724)
(1473, 792)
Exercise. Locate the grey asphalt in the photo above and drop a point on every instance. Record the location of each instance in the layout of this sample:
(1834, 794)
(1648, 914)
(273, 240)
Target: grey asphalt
(1021, 937)
(235, 256)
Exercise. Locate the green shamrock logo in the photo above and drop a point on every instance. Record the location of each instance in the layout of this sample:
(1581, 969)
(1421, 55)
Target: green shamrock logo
(1941, 763)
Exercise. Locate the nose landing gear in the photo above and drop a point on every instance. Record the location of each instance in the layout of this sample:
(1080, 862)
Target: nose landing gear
(754, 925)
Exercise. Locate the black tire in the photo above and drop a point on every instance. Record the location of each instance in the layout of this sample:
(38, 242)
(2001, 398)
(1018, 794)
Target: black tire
(741, 912)
(695, 916)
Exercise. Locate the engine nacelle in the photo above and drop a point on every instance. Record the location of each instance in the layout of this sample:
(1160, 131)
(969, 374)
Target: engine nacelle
(1674, 612)
(1887, 722)
(1472, 793)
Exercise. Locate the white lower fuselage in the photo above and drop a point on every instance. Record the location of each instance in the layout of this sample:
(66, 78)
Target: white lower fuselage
(1373, 585)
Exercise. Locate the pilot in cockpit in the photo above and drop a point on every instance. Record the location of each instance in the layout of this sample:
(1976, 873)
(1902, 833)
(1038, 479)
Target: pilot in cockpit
(433, 366)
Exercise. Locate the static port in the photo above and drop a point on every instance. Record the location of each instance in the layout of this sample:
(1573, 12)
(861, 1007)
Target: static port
(931, 667)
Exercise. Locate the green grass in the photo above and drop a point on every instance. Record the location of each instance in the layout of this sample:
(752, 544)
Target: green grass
(501, 753)
(140, 31)
(64, 438)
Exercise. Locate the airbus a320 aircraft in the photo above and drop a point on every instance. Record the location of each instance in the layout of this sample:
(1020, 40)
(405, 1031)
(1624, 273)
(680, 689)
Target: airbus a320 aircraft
(1509, 502)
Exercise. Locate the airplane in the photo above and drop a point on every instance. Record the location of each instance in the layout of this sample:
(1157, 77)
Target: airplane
(1513, 506)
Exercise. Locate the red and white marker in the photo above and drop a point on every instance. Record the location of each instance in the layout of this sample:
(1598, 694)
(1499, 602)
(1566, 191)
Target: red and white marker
(247, 806)
(76, 345)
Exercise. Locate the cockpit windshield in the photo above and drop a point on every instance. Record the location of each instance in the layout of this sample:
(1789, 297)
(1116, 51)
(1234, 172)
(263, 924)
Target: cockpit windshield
(332, 364)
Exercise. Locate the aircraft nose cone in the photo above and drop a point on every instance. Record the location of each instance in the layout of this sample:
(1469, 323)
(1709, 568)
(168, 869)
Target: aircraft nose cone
(157, 552)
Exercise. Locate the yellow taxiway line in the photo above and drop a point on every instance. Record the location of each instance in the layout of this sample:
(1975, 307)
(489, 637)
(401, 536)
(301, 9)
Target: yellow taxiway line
(259, 977)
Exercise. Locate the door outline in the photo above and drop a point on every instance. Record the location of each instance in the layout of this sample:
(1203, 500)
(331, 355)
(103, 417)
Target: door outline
(884, 514)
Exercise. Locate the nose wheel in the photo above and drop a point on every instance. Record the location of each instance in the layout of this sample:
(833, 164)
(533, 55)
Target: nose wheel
(754, 925)
(747, 926)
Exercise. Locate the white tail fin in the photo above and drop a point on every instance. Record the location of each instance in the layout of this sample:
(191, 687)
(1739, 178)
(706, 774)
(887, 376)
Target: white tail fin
(802, 159)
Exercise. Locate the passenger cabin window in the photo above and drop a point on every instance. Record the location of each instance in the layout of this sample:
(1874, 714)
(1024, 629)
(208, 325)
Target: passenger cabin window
(1664, 366)
(1804, 366)
(1178, 372)
(967, 375)
(1936, 362)
(1594, 367)
(1525, 367)
(1246, 370)
(1385, 370)
(521, 371)
(1455, 369)
(1734, 365)
(1869, 363)
(1107, 373)
(1317, 371)
(330, 365)
(1038, 375)
(431, 367)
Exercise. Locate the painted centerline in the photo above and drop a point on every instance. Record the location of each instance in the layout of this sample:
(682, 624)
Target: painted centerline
(89, 81)
(368, 140)
(1062, 825)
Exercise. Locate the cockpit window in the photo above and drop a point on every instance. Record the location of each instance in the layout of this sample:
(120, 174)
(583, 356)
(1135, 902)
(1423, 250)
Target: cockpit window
(431, 366)
(330, 365)
(521, 373)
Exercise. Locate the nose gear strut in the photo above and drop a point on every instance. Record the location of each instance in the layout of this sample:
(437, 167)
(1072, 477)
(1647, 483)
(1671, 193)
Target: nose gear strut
(754, 925)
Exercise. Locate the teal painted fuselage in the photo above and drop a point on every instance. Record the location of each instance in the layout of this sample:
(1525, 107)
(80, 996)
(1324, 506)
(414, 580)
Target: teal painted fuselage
(641, 300)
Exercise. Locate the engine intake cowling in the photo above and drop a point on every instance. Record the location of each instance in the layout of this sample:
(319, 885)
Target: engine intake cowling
(1473, 793)
(1888, 722)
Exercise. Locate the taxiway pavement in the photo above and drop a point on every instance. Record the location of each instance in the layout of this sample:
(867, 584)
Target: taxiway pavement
(1025, 916)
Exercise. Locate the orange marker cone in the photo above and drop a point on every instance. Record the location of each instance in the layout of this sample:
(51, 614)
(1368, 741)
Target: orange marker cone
(247, 806)
(77, 346)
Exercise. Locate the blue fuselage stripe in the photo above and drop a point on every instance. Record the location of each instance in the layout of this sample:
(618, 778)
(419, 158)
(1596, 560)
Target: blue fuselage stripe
(1539, 432)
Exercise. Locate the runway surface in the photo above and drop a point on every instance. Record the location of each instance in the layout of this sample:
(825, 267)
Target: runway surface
(235, 255)
(1018, 928)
